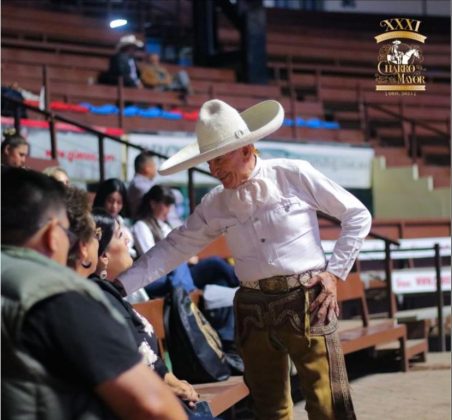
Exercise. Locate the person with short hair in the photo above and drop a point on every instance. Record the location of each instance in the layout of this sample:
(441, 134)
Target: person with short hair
(286, 305)
(14, 149)
(66, 352)
(143, 180)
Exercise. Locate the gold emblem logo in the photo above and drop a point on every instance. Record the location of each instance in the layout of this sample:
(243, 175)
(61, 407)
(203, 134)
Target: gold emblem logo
(400, 63)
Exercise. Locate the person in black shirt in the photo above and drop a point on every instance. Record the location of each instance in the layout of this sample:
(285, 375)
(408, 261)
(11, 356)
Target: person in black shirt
(66, 353)
(102, 243)
(123, 63)
(114, 247)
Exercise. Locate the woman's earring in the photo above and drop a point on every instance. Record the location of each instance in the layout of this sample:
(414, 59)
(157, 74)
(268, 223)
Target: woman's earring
(86, 264)
(104, 264)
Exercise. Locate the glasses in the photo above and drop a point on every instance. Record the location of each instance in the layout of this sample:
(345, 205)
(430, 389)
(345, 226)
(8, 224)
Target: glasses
(71, 236)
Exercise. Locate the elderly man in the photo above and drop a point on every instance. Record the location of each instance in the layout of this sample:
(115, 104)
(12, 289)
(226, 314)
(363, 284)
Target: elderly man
(66, 353)
(287, 304)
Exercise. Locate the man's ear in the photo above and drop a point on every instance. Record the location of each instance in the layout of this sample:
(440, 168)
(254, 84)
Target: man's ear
(50, 238)
(83, 251)
(247, 151)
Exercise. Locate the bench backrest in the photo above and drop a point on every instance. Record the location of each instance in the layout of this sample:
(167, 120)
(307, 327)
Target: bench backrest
(152, 310)
(353, 289)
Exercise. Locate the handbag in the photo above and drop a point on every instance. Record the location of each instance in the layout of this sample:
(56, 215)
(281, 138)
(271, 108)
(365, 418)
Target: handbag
(194, 346)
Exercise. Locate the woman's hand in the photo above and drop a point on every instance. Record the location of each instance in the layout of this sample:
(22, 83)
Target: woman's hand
(182, 389)
(193, 260)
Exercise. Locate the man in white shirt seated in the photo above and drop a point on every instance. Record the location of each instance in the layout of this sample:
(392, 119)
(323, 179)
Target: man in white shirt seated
(287, 302)
(142, 181)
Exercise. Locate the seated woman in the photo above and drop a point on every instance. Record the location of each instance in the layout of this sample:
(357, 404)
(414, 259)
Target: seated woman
(213, 275)
(101, 247)
(111, 195)
(152, 226)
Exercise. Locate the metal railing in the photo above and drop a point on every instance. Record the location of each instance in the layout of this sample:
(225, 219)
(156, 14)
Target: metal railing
(410, 141)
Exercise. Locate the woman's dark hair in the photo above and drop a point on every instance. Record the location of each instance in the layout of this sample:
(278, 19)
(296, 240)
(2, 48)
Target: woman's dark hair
(108, 187)
(106, 223)
(159, 194)
(80, 219)
(13, 139)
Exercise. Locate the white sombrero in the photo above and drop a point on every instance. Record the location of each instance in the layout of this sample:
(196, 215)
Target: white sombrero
(129, 40)
(221, 129)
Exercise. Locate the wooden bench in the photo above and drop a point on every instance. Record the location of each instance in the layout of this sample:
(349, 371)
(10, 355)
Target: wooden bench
(220, 396)
(364, 333)
(290, 36)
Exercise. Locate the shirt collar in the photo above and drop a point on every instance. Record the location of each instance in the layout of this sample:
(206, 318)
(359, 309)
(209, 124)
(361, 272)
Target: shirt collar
(257, 168)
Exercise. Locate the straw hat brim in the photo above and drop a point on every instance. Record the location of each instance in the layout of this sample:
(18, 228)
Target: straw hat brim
(262, 119)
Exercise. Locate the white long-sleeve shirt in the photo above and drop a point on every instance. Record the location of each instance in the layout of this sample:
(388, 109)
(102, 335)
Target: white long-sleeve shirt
(143, 237)
(270, 224)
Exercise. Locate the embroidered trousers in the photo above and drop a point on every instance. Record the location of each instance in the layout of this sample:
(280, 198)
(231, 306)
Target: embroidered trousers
(273, 327)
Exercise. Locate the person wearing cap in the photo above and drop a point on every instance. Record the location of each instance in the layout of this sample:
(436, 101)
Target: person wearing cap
(286, 305)
(123, 63)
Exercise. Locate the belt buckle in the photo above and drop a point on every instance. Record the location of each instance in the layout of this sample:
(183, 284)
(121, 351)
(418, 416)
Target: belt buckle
(276, 284)
(303, 279)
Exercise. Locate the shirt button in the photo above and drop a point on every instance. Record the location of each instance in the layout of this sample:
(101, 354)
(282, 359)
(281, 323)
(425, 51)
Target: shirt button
(263, 240)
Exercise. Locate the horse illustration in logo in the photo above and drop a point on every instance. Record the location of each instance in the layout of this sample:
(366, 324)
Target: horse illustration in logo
(396, 56)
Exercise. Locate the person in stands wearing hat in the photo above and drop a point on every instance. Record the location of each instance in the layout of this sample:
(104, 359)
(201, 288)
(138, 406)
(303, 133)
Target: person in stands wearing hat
(287, 301)
(123, 63)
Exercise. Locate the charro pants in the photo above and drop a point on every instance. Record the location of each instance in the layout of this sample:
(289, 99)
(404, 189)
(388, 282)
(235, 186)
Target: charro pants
(270, 329)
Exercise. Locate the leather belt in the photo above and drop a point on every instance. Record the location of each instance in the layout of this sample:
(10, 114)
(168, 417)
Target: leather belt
(281, 284)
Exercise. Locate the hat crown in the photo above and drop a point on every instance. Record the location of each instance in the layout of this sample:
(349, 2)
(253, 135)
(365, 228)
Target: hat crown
(130, 39)
(219, 124)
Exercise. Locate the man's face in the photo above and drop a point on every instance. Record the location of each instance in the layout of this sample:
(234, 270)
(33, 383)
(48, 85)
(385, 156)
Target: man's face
(150, 169)
(230, 168)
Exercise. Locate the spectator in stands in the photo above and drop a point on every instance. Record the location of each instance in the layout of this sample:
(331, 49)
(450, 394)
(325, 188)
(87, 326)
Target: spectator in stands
(58, 173)
(14, 149)
(287, 302)
(156, 76)
(111, 196)
(114, 248)
(83, 364)
(123, 63)
(99, 241)
(151, 227)
(143, 180)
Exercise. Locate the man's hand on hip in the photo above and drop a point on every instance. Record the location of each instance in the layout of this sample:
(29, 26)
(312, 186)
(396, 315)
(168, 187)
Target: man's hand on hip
(326, 302)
